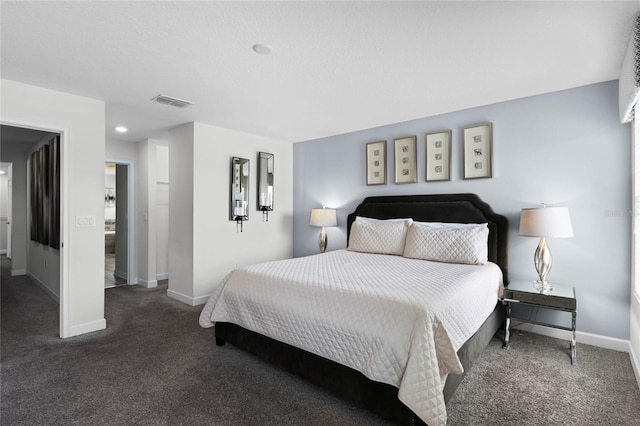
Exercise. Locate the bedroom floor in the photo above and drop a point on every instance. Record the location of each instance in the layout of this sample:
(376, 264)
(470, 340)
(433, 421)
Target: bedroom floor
(155, 365)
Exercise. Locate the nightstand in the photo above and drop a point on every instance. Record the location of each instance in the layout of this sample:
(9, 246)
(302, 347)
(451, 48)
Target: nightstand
(560, 298)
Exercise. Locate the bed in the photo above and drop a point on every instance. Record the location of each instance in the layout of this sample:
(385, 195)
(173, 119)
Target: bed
(397, 344)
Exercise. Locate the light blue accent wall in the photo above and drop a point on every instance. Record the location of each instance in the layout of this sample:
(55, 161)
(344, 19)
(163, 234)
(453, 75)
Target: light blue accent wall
(565, 149)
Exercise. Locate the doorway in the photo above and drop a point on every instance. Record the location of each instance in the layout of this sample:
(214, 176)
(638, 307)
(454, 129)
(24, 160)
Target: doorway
(6, 171)
(45, 263)
(118, 231)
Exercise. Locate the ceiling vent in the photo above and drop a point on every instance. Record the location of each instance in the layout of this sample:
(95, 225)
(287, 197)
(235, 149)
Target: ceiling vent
(168, 100)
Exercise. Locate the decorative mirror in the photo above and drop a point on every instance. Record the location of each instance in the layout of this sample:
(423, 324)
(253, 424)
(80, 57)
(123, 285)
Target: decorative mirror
(265, 184)
(239, 190)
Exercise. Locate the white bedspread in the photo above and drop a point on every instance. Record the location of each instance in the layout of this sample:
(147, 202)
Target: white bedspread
(399, 321)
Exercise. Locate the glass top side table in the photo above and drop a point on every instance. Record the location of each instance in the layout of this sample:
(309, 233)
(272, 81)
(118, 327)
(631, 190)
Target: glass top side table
(560, 297)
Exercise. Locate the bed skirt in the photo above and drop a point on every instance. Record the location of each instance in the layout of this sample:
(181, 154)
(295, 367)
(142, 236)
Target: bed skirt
(347, 383)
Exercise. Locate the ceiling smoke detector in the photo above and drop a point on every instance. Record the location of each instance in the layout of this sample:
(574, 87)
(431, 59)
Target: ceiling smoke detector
(168, 100)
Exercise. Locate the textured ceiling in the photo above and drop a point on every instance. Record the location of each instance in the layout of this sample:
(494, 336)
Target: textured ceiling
(335, 67)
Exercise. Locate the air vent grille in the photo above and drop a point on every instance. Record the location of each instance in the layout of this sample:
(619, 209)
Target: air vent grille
(168, 100)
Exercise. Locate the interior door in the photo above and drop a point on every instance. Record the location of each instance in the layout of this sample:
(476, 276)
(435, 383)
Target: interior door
(122, 221)
(9, 210)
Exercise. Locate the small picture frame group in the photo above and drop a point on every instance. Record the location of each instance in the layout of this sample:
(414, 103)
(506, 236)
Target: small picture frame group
(377, 163)
(477, 156)
(477, 151)
(405, 160)
(438, 148)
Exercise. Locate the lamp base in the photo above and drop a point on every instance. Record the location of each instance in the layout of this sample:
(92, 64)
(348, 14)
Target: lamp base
(542, 286)
(322, 240)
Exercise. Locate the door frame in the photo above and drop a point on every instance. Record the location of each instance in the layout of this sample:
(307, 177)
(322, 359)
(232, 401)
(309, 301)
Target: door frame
(65, 297)
(131, 242)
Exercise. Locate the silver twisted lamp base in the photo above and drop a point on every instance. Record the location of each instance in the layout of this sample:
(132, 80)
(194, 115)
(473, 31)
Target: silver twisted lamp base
(542, 262)
(322, 240)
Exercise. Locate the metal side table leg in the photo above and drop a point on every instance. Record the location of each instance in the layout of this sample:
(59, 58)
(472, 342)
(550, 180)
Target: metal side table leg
(507, 325)
(573, 337)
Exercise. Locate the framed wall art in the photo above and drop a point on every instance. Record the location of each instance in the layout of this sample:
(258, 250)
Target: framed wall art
(377, 163)
(405, 160)
(477, 151)
(438, 149)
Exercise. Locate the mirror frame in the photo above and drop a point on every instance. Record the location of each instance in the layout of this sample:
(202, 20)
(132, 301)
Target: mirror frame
(265, 181)
(239, 185)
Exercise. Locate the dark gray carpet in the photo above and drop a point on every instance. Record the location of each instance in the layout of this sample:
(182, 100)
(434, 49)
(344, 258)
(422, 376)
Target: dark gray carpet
(154, 365)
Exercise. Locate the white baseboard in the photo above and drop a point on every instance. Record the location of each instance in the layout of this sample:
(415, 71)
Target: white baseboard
(635, 363)
(3, 251)
(44, 287)
(163, 276)
(191, 301)
(16, 272)
(121, 275)
(581, 337)
(88, 327)
(147, 284)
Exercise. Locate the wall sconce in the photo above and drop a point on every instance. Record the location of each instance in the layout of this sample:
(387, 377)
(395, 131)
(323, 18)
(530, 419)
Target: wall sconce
(323, 217)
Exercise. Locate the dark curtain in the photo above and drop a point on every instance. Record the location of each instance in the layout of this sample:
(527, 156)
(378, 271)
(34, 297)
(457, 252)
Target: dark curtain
(44, 174)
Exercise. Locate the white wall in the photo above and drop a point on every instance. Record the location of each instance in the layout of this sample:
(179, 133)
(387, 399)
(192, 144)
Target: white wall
(162, 212)
(181, 212)
(205, 244)
(16, 153)
(81, 122)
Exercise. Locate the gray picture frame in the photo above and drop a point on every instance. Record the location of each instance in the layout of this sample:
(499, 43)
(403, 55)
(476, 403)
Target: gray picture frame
(478, 151)
(405, 160)
(438, 156)
(376, 159)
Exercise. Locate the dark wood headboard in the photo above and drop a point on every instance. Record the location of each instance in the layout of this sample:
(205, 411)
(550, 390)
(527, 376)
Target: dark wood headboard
(456, 208)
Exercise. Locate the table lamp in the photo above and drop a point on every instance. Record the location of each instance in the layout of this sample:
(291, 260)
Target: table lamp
(323, 217)
(545, 222)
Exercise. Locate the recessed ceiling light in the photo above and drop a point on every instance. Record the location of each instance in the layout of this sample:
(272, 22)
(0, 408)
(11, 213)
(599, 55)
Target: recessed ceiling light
(262, 49)
(2, 172)
(121, 129)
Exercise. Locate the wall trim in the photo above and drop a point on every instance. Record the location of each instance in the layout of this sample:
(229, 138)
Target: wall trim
(162, 276)
(191, 301)
(147, 284)
(16, 272)
(88, 327)
(43, 286)
(598, 340)
(3, 251)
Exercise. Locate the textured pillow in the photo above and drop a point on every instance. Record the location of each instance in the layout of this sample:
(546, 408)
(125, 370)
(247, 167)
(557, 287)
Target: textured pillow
(450, 224)
(383, 237)
(466, 244)
(362, 219)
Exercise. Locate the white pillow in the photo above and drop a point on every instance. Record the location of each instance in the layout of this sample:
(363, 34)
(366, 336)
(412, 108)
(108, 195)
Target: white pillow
(466, 244)
(449, 224)
(362, 219)
(382, 237)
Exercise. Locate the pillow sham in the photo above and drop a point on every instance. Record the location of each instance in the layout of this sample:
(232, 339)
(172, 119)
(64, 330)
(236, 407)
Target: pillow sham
(381, 237)
(466, 245)
(362, 219)
(450, 224)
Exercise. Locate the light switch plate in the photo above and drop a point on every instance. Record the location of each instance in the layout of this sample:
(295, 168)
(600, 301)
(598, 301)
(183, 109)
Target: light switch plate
(85, 221)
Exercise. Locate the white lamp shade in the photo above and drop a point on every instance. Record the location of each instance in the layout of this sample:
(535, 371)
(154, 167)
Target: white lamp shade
(546, 222)
(323, 217)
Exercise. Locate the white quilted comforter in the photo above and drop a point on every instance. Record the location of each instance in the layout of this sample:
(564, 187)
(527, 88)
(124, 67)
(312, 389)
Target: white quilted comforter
(399, 321)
